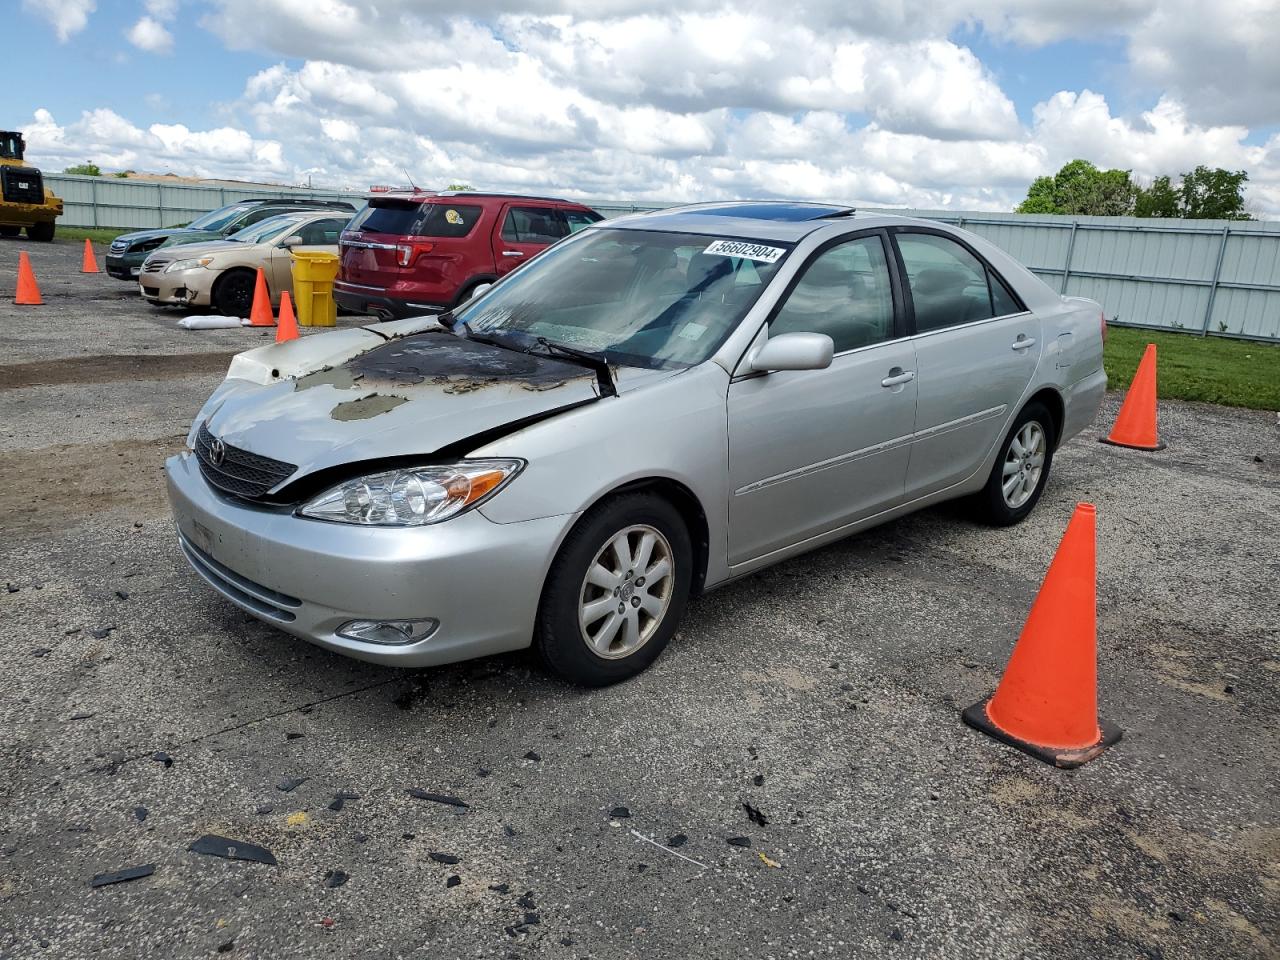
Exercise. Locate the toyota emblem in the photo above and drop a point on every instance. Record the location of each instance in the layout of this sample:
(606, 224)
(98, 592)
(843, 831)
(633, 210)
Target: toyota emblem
(217, 452)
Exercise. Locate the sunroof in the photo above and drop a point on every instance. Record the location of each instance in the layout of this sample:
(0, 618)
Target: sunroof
(764, 210)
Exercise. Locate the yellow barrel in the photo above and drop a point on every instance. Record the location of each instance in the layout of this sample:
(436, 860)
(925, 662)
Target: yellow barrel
(313, 276)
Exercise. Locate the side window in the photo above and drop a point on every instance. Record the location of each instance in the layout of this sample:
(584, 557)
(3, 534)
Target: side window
(448, 220)
(844, 293)
(534, 225)
(580, 219)
(1003, 302)
(948, 283)
(261, 213)
(320, 232)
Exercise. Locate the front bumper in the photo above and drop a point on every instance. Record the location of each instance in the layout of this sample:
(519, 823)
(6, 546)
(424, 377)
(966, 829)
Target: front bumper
(124, 267)
(481, 580)
(184, 288)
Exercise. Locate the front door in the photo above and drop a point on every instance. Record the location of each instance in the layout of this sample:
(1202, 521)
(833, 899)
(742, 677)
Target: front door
(976, 351)
(523, 233)
(812, 450)
(318, 236)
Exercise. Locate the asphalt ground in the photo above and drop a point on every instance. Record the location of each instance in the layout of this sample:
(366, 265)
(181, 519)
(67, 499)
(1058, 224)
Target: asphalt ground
(140, 712)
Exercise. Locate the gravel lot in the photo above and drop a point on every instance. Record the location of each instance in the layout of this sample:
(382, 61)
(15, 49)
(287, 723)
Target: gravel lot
(141, 711)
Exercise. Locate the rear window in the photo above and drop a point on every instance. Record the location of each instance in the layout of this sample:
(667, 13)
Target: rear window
(409, 218)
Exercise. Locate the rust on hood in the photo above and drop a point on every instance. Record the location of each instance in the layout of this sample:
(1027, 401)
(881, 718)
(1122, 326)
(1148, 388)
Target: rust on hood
(362, 408)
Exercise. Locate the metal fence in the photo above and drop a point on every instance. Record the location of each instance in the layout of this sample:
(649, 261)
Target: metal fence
(1211, 277)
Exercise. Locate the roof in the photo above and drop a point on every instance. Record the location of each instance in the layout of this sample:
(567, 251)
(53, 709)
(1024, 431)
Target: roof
(779, 221)
(425, 195)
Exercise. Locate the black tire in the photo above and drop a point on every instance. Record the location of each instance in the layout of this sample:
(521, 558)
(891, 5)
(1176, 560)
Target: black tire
(233, 293)
(41, 232)
(10, 231)
(558, 637)
(991, 505)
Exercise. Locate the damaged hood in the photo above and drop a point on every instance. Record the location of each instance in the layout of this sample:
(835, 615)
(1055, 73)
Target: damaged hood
(412, 395)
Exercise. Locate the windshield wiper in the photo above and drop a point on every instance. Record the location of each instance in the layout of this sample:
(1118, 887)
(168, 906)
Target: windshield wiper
(593, 361)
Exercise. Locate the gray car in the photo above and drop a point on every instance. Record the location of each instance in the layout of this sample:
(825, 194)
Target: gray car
(653, 407)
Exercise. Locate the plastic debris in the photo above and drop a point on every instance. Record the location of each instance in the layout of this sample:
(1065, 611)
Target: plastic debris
(453, 881)
(895, 934)
(335, 878)
(264, 808)
(161, 757)
(766, 861)
(526, 901)
(101, 633)
(140, 813)
(620, 813)
(739, 841)
(209, 323)
(294, 736)
(758, 779)
(80, 715)
(679, 840)
(41, 651)
(446, 858)
(340, 798)
(755, 816)
(226, 946)
(122, 594)
(509, 830)
(122, 876)
(500, 887)
(290, 784)
(212, 845)
(419, 794)
(640, 836)
(532, 755)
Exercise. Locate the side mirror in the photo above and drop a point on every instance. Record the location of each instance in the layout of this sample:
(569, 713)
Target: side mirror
(794, 351)
(293, 240)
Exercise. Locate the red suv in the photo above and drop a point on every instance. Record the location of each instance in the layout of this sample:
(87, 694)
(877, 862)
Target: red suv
(407, 253)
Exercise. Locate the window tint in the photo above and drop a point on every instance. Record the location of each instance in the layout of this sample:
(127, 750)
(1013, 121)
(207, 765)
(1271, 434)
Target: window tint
(258, 215)
(948, 283)
(534, 225)
(1002, 301)
(844, 293)
(448, 220)
(580, 219)
(319, 232)
(398, 217)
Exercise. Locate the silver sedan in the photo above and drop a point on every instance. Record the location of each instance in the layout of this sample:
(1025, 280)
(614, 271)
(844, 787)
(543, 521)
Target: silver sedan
(653, 407)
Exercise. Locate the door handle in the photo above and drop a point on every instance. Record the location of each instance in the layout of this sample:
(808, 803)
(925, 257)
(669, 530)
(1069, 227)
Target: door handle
(897, 379)
(1024, 343)
(512, 253)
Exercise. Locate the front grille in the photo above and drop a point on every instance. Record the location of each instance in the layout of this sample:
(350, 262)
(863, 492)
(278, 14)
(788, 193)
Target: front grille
(154, 266)
(22, 184)
(241, 473)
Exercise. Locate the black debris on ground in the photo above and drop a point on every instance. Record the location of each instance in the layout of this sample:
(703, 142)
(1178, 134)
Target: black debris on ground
(336, 878)
(500, 887)
(679, 840)
(211, 845)
(739, 841)
(263, 809)
(290, 784)
(340, 799)
(758, 779)
(446, 858)
(122, 594)
(122, 876)
(533, 755)
(453, 881)
(81, 715)
(620, 813)
(140, 813)
(161, 757)
(101, 633)
(755, 816)
(419, 794)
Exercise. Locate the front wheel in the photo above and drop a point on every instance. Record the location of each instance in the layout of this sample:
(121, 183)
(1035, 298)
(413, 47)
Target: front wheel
(616, 591)
(233, 293)
(1021, 470)
(41, 232)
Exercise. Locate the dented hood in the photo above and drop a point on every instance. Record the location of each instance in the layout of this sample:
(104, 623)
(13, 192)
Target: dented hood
(400, 397)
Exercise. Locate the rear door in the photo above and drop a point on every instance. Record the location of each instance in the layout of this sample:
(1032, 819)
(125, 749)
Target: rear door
(523, 232)
(369, 244)
(976, 348)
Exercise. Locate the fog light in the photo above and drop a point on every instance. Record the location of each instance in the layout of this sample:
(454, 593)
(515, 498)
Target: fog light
(388, 632)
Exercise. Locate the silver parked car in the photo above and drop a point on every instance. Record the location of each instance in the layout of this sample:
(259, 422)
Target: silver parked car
(651, 408)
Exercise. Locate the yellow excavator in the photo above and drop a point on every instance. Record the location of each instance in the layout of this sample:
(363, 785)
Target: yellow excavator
(24, 201)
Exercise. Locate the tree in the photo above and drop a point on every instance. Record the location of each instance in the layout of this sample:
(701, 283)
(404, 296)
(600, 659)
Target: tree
(85, 169)
(461, 187)
(1080, 188)
(1215, 194)
(1158, 200)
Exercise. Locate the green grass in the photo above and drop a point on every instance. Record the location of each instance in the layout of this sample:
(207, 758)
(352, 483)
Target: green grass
(96, 234)
(1237, 373)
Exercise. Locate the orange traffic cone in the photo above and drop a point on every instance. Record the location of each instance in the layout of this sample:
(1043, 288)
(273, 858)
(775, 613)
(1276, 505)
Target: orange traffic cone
(260, 312)
(90, 263)
(287, 329)
(1047, 701)
(28, 294)
(1136, 423)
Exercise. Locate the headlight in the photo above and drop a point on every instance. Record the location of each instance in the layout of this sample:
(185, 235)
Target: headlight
(412, 497)
(188, 264)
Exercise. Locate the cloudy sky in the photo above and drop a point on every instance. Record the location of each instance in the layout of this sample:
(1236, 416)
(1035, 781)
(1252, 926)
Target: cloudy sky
(925, 103)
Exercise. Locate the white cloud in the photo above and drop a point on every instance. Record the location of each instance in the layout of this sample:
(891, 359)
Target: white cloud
(162, 9)
(151, 35)
(66, 16)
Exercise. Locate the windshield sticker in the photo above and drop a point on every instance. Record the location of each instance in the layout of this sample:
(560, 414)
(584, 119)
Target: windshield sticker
(692, 331)
(454, 217)
(747, 251)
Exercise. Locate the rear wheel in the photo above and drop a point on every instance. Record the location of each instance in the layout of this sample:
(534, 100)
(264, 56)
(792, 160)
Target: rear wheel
(1021, 470)
(41, 232)
(10, 231)
(616, 591)
(233, 293)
